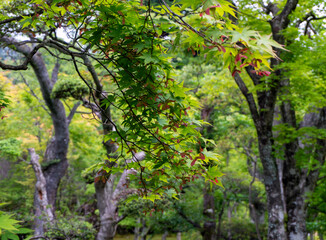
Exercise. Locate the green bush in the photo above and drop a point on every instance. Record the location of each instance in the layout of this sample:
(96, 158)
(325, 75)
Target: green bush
(241, 229)
(69, 87)
(73, 228)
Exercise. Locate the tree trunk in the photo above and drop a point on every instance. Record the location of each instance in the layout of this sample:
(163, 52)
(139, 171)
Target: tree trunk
(55, 159)
(137, 230)
(276, 228)
(108, 199)
(40, 196)
(108, 209)
(220, 215)
(321, 236)
(229, 234)
(144, 230)
(165, 235)
(209, 227)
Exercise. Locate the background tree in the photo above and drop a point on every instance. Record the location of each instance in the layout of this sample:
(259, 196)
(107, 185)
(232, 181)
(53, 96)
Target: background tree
(124, 41)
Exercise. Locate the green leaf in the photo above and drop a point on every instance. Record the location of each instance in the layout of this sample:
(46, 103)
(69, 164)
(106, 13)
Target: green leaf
(7, 223)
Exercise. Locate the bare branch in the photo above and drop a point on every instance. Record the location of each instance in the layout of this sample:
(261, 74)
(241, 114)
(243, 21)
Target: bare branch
(72, 112)
(55, 72)
(249, 97)
(96, 80)
(29, 56)
(34, 94)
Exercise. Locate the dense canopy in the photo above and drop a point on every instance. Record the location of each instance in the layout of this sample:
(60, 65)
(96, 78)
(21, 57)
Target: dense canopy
(197, 118)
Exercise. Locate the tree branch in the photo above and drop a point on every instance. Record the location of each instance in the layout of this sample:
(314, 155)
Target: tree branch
(249, 97)
(34, 94)
(96, 80)
(72, 112)
(288, 8)
(55, 73)
(28, 55)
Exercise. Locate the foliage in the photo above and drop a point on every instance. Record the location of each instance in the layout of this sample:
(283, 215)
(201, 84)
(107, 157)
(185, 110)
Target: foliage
(136, 46)
(242, 230)
(10, 147)
(69, 87)
(4, 100)
(126, 44)
(9, 227)
(71, 227)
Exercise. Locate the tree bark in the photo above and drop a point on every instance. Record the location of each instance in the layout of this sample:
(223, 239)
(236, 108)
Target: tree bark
(55, 158)
(40, 196)
(165, 235)
(108, 199)
(209, 227)
(179, 235)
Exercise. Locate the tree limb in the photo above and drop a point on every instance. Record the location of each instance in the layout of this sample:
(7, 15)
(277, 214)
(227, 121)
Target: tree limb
(55, 72)
(34, 94)
(249, 97)
(72, 112)
(28, 55)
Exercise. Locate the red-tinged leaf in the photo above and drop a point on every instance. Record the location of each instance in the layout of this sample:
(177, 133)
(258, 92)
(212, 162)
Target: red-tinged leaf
(79, 2)
(166, 106)
(222, 48)
(123, 17)
(193, 52)
(234, 72)
(267, 73)
(207, 10)
(242, 65)
(141, 2)
(237, 58)
(202, 156)
(178, 140)
(193, 162)
(216, 180)
(201, 14)
(180, 187)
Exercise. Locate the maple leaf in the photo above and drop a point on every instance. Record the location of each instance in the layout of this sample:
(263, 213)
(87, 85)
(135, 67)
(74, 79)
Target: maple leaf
(244, 35)
(266, 43)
